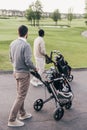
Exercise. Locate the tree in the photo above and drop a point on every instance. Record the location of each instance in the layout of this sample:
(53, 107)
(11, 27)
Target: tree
(38, 11)
(85, 9)
(56, 16)
(70, 15)
(85, 15)
(34, 12)
(29, 14)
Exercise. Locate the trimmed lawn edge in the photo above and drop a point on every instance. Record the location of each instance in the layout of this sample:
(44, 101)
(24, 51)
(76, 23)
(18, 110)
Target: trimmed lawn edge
(11, 72)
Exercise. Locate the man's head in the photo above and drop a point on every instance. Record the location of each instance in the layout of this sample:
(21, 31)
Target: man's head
(23, 31)
(41, 32)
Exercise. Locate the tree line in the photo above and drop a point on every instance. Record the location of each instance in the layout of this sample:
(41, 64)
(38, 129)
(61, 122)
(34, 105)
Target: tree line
(34, 14)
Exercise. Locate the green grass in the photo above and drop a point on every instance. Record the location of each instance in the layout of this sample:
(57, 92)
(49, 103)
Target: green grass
(68, 40)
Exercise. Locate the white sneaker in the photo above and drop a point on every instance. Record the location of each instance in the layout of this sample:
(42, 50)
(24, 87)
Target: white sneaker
(34, 83)
(40, 83)
(26, 116)
(15, 123)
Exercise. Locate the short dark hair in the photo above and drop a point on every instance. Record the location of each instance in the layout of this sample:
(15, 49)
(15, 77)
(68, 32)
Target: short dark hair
(22, 30)
(41, 32)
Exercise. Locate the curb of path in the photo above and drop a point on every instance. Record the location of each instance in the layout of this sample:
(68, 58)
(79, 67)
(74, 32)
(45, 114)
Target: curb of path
(10, 71)
(79, 69)
(6, 71)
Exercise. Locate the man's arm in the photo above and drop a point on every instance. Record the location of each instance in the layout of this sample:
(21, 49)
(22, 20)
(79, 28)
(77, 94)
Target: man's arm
(28, 56)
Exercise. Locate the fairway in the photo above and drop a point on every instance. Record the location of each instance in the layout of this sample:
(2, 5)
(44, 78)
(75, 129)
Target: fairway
(68, 41)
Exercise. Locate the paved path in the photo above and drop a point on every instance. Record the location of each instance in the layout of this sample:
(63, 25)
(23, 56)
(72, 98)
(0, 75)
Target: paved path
(73, 119)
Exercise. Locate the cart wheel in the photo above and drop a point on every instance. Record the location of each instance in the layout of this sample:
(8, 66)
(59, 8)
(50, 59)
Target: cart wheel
(70, 78)
(68, 105)
(58, 114)
(38, 104)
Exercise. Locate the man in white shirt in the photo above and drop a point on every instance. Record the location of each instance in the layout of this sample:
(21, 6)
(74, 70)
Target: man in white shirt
(39, 55)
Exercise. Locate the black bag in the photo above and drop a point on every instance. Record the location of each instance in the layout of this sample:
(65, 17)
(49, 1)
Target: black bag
(47, 59)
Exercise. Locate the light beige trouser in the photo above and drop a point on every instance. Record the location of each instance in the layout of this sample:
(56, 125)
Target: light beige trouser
(40, 65)
(23, 80)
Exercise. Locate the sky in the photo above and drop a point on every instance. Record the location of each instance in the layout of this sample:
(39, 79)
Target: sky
(48, 5)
